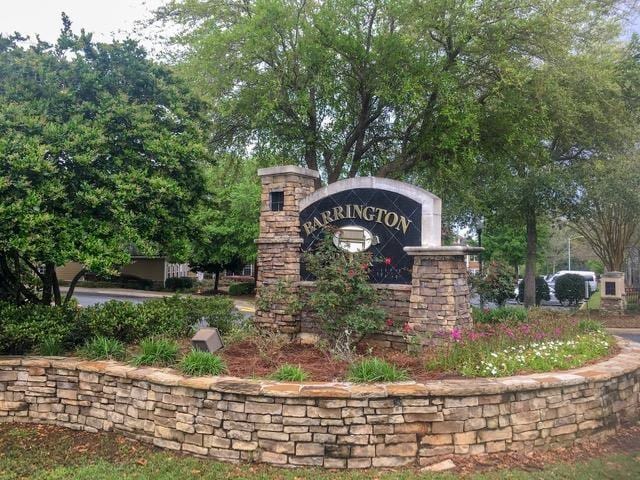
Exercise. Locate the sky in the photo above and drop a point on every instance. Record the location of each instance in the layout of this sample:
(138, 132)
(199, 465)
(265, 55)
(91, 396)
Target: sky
(105, 18)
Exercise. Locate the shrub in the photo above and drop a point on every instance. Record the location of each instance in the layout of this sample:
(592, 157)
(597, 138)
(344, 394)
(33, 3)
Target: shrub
(500, 314)
(103, 348)
(343, 299)
(23, 328)
(158, 352)
(497, 283)
(179, 283)
(375, 370)
(290, 373)
(542, 290)
(570, 288)
(199, 363)
(244, 288)
(113, 319)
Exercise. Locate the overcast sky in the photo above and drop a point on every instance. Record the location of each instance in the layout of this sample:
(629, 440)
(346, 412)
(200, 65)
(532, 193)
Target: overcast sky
(105, 18)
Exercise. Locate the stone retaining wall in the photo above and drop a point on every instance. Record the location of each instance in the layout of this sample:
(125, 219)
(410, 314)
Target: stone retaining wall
(334, 425)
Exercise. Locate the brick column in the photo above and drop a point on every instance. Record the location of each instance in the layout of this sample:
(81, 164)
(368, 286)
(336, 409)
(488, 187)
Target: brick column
(440, 293)
(613, 299)
(279, 244)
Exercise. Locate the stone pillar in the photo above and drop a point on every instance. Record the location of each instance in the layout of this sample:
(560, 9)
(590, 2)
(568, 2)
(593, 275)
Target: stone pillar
(612, 293)
(440, 292)
(279, 245)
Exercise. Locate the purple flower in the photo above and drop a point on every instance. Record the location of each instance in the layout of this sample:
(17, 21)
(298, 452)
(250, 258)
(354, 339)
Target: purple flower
(456, 334)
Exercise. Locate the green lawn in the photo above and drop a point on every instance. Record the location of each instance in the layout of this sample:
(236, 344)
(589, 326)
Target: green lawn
(594, 301)
(53, 453)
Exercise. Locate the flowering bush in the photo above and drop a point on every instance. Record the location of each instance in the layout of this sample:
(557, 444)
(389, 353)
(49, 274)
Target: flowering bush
(497, 283)
(541, 345)
(344, 300)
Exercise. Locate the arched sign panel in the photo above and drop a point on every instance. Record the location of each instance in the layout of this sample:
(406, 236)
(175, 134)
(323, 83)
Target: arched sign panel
(375, 215)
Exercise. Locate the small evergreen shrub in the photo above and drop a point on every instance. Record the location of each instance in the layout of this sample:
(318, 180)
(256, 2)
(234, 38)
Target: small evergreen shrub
(158, 352)
(500, 315)
(290, 373)
(242, 288)
(179, 283)
(542, 290)
(496, 285)
(570, 288)
(199, 363)
(103, 348)
(375, 370)
(113, 319)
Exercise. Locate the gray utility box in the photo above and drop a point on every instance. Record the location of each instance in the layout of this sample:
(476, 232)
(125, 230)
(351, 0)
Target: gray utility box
(207, 339)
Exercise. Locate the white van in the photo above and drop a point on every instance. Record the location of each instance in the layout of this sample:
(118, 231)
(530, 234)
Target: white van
(588, 277)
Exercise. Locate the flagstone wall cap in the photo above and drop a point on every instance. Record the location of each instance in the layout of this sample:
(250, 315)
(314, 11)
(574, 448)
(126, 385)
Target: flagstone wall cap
(443, 250)
(285, 169)
(625, 362)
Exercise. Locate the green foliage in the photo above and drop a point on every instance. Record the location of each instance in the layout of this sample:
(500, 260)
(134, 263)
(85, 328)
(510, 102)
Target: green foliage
(179, 283)
(570, 288)
(100, 149)
(375, 370)
(542, 290)
(289, 373)
(23, 328)
(103, 348)
(242, 288)
(497, 283)
(50, 346)
(280, 295)
(342, 298)
(157, 352)
(587, 325)
(114, 319)
(199, 363)
(500, 315)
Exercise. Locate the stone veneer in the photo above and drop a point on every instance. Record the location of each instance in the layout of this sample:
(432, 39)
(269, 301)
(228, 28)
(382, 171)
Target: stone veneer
(334, 425)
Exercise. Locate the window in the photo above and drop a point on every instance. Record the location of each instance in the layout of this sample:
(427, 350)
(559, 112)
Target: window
(610, 288)
(277, 201)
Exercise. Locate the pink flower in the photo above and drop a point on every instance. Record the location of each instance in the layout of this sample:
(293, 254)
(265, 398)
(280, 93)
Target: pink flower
(406, 328)
(387, 261)
(389, 322)
(456, 335)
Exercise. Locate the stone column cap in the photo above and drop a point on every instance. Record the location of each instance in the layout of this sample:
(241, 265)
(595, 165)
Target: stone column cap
(613, 274)
(443, 250)
(288, 169)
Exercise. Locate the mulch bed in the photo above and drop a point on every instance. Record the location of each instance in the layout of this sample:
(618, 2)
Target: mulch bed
(628, 320)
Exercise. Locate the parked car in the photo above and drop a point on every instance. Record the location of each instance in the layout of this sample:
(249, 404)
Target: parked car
(588, 277)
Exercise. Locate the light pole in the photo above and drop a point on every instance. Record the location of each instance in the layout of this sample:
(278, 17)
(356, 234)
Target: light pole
(479, 227)
(569, 249)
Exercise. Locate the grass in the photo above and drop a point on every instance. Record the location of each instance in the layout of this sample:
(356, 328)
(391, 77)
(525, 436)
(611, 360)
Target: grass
(50, 453)
(594, 301)
(157, 352)
(375, 370)
(103, 348)
(290, 373)
(50, 346)
(199, 363)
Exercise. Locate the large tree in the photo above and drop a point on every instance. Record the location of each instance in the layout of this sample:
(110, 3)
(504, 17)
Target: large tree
(385, 87)
(101, 149)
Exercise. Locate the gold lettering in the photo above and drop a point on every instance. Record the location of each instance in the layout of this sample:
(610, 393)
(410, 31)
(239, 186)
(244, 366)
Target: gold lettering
(308, 228)
(316, 223)
(380, 212)
(404, 223)
(357, 211)
(337, 213)
(391, 223)
(326, 217)
(367, 217)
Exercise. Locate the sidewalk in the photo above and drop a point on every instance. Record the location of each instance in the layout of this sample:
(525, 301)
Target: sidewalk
(244, 304)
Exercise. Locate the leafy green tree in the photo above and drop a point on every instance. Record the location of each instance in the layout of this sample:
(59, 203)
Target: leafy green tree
(227, 222)
(354, 87)
(100, 149)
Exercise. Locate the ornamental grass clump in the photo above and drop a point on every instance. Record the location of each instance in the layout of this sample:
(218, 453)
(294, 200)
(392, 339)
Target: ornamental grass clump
(543, 344)
(198, 363)
(375, 370)
(103, 348)
(157, 352)
(290, 373)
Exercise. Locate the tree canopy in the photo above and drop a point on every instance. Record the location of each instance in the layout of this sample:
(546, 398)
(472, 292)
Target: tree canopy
(101, 150)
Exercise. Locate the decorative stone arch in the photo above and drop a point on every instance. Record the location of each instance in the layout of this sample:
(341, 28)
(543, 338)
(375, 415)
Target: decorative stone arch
(433, 298)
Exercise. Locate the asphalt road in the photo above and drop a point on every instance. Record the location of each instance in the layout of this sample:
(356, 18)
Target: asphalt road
(88, 299)
(634, 337)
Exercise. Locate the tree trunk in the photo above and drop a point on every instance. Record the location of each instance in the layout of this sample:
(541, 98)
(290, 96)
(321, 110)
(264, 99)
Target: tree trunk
(72, 285)
(47, 285)
(530, 268)
(215, 282)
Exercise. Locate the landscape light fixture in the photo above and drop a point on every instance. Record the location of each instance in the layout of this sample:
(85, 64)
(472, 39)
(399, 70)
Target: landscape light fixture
(207, 339)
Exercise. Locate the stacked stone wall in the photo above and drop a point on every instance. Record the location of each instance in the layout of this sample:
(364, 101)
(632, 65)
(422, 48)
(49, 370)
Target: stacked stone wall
(333, 425)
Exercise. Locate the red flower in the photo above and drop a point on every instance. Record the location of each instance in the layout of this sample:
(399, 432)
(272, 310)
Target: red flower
(351, 273)
(389, 322)
(407, 328)
(364, 266)
(387, 261)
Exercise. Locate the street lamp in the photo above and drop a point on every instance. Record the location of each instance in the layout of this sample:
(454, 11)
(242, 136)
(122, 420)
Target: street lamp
(479, 227)
(569, 248)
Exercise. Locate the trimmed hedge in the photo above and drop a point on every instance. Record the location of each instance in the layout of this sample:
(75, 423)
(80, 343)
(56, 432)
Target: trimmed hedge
(570, 288)
(243, 288)
(179, 283)
(23, 328)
